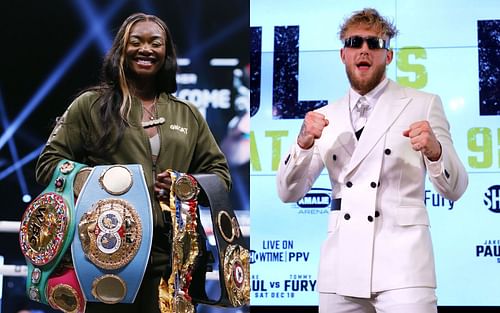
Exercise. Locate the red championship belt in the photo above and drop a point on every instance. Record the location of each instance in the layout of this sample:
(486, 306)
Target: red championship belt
(64, 291)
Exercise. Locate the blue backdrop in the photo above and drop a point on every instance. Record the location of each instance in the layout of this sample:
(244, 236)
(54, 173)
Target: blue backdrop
(451, 48)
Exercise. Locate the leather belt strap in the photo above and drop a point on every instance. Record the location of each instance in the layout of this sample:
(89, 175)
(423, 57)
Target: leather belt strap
(336, 203)
(232, 248)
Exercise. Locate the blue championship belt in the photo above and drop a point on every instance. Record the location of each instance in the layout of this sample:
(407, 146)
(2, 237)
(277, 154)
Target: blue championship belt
(46, 232)
(115, 231)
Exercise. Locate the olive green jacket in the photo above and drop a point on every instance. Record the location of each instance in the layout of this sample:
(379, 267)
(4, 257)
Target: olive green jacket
(187, 145)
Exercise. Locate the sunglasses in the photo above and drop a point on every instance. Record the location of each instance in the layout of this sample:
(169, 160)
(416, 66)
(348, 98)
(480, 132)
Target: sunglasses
(372, 42)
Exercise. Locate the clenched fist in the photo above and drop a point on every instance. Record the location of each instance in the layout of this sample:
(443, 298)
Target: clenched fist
(312, 128)
(422, 139)
(163, 184)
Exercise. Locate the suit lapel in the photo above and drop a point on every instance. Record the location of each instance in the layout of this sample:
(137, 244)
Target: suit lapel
(389, 106)
(341, 118)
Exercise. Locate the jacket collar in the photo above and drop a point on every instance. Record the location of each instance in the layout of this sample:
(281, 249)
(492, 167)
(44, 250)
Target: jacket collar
(390, 105)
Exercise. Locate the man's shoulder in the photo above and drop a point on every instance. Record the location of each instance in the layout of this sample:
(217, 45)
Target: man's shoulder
(408, 91)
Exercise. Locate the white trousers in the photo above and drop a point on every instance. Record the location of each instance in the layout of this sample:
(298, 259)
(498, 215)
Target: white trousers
(405, 300)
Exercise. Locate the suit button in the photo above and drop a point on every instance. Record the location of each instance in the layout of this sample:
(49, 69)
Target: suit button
(370, 218)
(348, 184)
(334, 157)
(387, 151)
(373, 184)
(377, 213)
(347, 216)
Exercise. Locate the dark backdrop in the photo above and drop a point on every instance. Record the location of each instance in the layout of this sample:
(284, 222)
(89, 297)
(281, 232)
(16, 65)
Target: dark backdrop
(51, 50)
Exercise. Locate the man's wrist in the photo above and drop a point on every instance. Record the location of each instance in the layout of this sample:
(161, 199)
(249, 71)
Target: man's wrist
(303, 145)
(437, 155)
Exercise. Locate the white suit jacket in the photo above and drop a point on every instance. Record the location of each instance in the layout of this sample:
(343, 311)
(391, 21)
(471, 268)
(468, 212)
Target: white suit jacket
(380, 238)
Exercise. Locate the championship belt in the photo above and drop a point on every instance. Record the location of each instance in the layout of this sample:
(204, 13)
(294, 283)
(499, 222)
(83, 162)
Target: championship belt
(47, 229)
(183, 208)
(233, 252)
(64, 291)
(115, 231)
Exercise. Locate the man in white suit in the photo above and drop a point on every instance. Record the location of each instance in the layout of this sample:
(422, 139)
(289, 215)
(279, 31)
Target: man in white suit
(377, 144)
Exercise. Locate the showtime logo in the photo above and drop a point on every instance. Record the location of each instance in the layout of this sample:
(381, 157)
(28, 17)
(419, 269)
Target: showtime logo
(492, 198)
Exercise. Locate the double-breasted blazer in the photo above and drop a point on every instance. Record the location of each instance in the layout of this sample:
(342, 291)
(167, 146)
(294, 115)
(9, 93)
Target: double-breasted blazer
(379, 240)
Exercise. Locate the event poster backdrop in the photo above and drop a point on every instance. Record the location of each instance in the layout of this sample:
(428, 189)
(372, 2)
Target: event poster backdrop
(448, 47)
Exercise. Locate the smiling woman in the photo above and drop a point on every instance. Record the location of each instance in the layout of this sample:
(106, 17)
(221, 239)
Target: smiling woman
(146, 49)
(132, 118)
(145, 54)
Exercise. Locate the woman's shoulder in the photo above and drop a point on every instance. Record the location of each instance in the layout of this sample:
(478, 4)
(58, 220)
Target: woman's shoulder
(83, 104)
(173, 98)
(85, 100)
(87, 96)
(183, 104)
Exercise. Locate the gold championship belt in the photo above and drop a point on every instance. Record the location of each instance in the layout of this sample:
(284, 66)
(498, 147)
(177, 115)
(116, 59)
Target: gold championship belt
(188, 247)
(236, 274)
(110, 233)
(183, 208)
(186, 284)
(43, 228)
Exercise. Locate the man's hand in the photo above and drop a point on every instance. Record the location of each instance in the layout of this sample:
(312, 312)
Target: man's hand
(422, 139)
(312, 128)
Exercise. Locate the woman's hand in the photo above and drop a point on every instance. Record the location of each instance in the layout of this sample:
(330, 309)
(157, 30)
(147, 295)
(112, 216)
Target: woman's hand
(163, 184)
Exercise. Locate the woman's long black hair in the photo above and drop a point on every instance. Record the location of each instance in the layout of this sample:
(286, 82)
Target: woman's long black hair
(115, 98)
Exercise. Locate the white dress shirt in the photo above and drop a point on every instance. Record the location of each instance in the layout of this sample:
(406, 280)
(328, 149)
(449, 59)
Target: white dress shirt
(359, 116)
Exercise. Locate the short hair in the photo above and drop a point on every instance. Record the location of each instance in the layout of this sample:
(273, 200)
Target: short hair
(371, 18)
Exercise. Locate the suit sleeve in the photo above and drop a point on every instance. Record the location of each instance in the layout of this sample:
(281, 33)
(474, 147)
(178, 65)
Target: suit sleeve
(448, 175)
(297, 172)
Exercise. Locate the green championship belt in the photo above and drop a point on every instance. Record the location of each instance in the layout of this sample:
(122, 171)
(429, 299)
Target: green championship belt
(46, 232)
